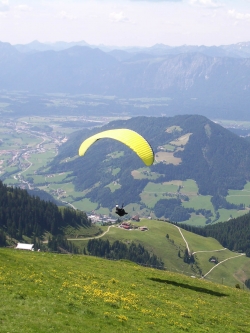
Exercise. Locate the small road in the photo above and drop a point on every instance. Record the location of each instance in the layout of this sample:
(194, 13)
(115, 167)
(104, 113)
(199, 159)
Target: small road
(189, 252)
(99, 236)
(88, 238)
(211, 251)
(69, 204)
(242, 254)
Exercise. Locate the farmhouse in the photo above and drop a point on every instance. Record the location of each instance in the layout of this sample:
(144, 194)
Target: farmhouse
(136, 218)
(22, 246)
(125, 225)
(143, 228)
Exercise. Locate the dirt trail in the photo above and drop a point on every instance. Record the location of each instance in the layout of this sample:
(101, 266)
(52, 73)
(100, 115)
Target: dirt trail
(242, 254)
(80, 239)
(189, 252)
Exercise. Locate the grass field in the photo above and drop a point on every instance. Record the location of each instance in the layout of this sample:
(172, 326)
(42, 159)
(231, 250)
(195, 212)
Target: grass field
(240, 196)
(44, 292)
(155, 240)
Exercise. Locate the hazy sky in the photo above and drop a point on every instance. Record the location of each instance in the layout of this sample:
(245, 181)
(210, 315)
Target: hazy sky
(126, 22)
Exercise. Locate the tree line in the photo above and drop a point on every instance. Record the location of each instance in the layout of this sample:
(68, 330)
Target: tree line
(22, 214)
(119, 250)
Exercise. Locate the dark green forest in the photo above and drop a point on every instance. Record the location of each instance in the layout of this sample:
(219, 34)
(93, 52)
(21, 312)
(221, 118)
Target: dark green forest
(119, 250)
(22, 214)
(233, 234)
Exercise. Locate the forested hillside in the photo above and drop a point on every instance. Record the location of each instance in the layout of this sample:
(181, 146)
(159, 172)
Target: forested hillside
(186, 147)
(22, 214)
(233, 234)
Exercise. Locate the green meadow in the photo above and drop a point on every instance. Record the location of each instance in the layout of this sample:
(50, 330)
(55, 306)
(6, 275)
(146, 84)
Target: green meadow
(167, 248)
(47, 292)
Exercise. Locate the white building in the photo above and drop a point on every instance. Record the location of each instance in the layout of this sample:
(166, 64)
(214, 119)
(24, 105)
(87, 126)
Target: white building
(22, 246)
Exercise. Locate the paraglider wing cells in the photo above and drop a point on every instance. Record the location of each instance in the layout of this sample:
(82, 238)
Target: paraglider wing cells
(130, 138)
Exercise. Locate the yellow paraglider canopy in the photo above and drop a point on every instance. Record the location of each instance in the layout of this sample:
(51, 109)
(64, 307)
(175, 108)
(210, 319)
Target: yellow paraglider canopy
(130, 138)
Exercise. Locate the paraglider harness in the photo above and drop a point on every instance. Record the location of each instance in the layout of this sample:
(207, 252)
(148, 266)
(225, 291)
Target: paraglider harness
(120, 211)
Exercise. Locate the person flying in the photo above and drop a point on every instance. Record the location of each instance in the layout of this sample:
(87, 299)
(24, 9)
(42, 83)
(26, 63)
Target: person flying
(120, 211)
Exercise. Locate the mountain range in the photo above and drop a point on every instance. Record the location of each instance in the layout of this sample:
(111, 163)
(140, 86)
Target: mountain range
(239, 50)
(192, 81)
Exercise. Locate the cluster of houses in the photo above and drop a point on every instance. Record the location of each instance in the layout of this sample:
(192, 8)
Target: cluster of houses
(129, 226)
(103, 219)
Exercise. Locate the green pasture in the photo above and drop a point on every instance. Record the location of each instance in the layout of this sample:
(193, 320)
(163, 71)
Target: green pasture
(154, 240)
(116, 154)
(199, 202)
(37, 179)
(169, 147)
(13, 141)
(84, 204)
(38, 160)
(196, 220)
(145, 173)
(80, 231)
(225, 215)
(200, 243)
(46, 292)
(113, 186)
(12, 169)
(69, 159)
(160, 188)
(172, 129)
(57, 178)
(150, 199)
(10, 181)
(240, 196)
(229, 272)
(5, 157)
(115, 171)
(189, 187)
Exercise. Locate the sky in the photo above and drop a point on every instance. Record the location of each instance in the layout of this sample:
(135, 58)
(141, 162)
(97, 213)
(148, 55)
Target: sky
(126, 22)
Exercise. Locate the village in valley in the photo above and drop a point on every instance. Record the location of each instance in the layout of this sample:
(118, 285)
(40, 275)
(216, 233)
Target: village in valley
(127, 224)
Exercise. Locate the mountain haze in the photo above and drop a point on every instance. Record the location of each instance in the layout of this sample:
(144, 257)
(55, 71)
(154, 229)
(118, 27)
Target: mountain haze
(193, 82)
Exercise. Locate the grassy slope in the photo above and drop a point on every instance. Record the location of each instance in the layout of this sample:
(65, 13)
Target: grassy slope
(167, 249)
(44, 292)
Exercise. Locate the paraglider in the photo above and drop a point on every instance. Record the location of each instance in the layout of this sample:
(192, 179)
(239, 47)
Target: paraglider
(120, 211)
(130, 138)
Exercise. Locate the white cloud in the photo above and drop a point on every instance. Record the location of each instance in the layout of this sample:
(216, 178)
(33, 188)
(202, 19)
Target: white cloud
(66, 16)
(118, 17)
(4, 6)
(24, 8)
(239, 16)
(206, 3)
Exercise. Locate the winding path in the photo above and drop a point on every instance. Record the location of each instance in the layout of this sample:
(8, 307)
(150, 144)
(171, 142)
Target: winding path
(242, 254)
(92, 237)
(189, 252)
(211, 250)
(87, 238)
